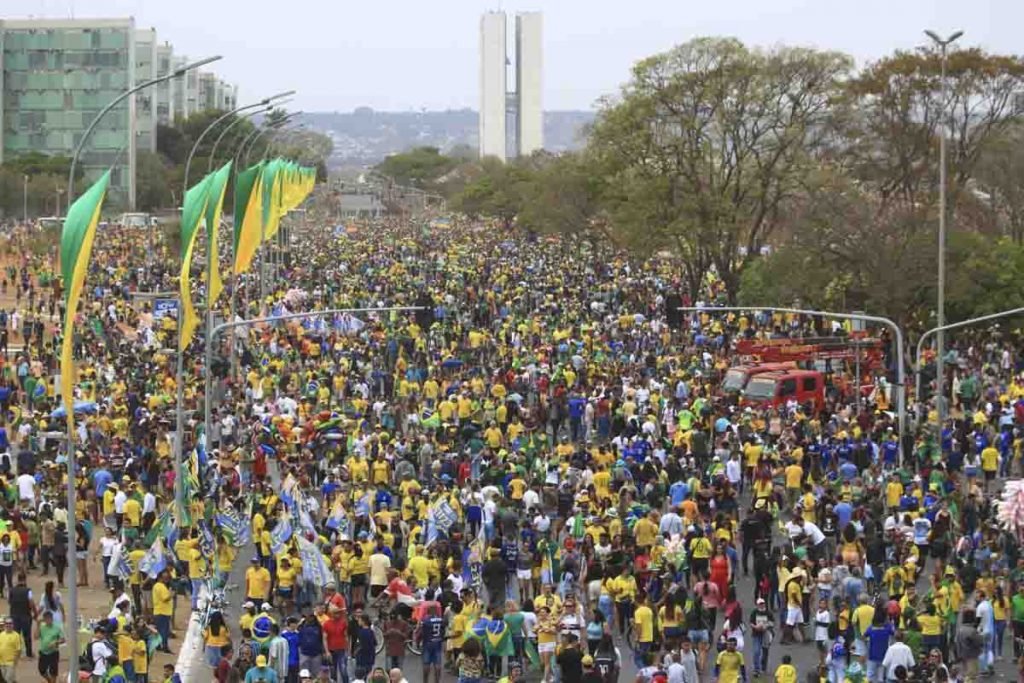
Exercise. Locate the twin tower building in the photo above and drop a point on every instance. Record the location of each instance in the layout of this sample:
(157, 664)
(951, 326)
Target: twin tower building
(511, 120)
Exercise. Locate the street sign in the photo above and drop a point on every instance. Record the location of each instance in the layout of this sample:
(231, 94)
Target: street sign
(165, 307)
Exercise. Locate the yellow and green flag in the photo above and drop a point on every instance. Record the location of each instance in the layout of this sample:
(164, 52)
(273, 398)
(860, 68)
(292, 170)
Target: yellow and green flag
(192, 214)
(218, 187)
(75, 249)
(248, 216)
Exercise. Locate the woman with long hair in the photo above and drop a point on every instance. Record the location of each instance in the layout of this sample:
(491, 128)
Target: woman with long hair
(215, 637)
(1000, 610)
(51, 601)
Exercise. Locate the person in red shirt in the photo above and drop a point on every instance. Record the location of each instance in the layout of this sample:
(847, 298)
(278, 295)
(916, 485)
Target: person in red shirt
(332, 598)
(223, 669)
(336, 640)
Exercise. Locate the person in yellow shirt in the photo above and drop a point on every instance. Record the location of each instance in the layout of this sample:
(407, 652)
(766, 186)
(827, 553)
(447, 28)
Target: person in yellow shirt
(643, 625)
(163, 609)
(645, 531)
(893, 492)
(624, 590)
(286, 578)
(517, 487)
(729, 666)
(11, 645)
(257, 582)
(419, 567)
(794, 474)
(786, 672)
(989, 464)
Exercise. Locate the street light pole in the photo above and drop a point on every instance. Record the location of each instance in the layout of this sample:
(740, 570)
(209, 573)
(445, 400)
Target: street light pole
(113, 103)
(940, 340)
(919, 366)
(263, 131)
(216, 143)
(24, 199)
(901, 402)
(72, 633)
(179, 438)
(262, 103)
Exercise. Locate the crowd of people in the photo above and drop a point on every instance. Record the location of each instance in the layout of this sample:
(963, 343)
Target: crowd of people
(535, 474)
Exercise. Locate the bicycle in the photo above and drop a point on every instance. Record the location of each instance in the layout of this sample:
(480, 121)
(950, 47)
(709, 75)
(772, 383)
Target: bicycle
(384, 613)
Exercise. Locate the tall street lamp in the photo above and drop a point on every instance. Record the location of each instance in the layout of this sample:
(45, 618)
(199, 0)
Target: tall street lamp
(262, 103)
(940, 338)
(227, 128)
(72, 633)
(179, 434)
(249, 145)
(117, 100)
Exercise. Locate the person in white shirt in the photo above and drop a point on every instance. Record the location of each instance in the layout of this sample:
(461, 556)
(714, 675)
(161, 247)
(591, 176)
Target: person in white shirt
(898, 654)
(27, 489)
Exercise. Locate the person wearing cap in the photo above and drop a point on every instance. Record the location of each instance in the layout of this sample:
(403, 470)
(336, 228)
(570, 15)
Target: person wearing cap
(257, 582)
(261, 673)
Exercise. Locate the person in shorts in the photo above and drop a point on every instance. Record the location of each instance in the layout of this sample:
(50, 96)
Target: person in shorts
(50, 636)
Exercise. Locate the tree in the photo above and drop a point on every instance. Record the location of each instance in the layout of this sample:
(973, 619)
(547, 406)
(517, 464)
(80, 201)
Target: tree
(708, 142)
(563, 195)
(894, 114)
(153, 189)
(999, 177)
(495, 190)
(275, 117)
(33, 163)
(421, 167)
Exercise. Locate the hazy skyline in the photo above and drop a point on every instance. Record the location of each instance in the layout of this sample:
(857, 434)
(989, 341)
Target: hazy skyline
(400, 55)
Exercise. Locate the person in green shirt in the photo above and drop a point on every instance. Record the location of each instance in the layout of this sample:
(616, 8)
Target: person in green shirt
(50, 637)
(1017, 611)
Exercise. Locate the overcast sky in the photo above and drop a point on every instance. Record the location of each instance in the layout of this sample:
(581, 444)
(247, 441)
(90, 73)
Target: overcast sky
(411, 54)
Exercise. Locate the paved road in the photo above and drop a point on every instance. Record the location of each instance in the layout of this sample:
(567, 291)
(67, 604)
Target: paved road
(804, 655)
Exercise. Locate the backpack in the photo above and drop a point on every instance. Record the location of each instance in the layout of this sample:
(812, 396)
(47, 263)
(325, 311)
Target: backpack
(87, 661)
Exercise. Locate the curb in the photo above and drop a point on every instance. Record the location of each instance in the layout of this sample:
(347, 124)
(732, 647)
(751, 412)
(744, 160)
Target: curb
(190, 664)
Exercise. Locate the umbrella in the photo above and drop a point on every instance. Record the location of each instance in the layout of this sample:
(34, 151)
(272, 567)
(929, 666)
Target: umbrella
(87, 407)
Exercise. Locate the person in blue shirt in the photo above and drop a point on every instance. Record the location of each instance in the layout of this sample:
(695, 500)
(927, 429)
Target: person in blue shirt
(877, 635)
(431, 635)
(844, 513)
(100, 479)
(291, 634)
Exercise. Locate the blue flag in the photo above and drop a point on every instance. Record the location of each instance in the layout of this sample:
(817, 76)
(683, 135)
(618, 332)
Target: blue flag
(154, 561)
(280, 535)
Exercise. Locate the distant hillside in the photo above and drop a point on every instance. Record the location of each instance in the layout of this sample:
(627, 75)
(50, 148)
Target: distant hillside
(364, 137)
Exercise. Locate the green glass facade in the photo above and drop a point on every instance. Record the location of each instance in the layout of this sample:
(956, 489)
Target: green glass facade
(55, 76)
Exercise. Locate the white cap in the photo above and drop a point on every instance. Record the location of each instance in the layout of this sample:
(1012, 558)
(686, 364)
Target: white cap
(305, 674)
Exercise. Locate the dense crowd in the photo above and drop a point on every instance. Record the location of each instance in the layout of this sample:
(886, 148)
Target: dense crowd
(538, 473)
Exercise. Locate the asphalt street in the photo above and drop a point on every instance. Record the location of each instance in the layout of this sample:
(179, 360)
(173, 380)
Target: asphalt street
(804, 655)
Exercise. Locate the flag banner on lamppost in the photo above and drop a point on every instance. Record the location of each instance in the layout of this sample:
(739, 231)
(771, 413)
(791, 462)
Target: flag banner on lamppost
(192, 213)
(248, 216)
(217, 190)
(75, 249)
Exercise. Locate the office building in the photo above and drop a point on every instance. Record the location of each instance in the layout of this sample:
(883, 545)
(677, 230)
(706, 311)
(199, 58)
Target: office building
(164, 90)
(529, 83)
(511, 122)
(55, 76)
(145, 100)
(493, 61)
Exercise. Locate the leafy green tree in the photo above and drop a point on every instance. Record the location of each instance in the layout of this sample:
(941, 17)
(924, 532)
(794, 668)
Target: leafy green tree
(153, 189)
(421, 167)
(563, 195)
(708, 142)
(495, 190)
